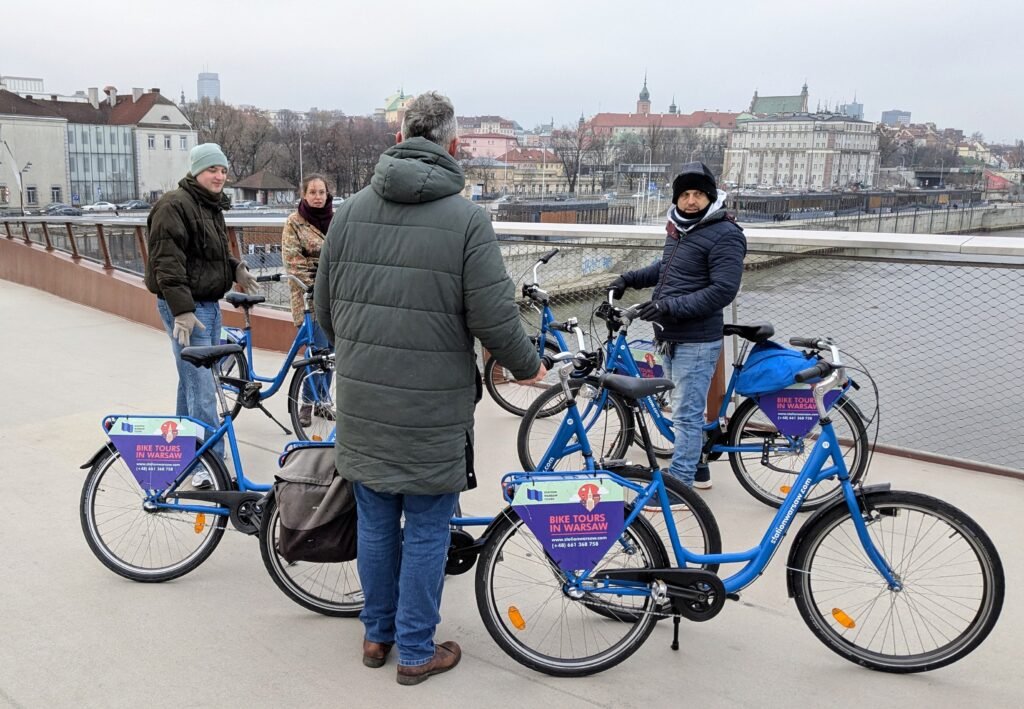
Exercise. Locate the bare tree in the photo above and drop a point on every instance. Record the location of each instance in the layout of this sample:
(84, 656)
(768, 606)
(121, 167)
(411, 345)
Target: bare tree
(570, 145)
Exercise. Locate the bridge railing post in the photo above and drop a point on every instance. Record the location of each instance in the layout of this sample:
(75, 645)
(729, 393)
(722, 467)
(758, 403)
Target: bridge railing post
(103, 247)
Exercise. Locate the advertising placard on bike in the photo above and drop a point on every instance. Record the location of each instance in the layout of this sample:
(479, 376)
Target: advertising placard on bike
(155, 449)
(576, 519)
(792, 410)
(648, 361)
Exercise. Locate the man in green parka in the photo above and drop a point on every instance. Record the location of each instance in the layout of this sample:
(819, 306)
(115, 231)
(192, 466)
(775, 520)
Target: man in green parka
(410, 274)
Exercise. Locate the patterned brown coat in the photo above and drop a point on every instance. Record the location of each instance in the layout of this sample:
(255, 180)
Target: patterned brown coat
(300, 252)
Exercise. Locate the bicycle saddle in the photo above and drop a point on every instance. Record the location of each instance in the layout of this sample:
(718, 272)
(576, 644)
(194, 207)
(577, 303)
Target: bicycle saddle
(755, 332)
(207, 355)
(635, 387)
(243, 300)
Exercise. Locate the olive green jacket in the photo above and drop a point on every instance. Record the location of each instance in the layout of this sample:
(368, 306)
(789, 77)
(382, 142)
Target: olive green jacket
(409, 275)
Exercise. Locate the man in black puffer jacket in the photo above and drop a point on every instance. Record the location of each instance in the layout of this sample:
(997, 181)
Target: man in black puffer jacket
(698, 275)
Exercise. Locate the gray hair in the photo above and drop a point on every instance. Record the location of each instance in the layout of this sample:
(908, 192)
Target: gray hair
(431, 116)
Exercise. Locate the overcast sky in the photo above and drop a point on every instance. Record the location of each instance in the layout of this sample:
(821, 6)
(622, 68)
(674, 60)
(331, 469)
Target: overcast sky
(954, 63)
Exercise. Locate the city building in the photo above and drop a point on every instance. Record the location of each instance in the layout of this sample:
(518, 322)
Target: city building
(486, 145)
(208, 86)
(775, 105)
(33, 155)
(802, 151)
(854, 110)
(530, 171)
(21, 84)
(120, 147)
(896, 117)
(394, 108)
(264, 188)
(488, 124)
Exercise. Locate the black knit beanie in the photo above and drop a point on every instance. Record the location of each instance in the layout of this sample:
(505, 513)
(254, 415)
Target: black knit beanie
(694, 176)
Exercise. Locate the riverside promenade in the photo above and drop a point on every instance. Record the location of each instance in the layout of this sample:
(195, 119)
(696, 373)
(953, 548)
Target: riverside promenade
(73, 634)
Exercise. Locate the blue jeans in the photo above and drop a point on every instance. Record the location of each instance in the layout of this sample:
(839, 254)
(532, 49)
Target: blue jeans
(402, 570)
(197, 396)
(322, 381)
(690, 367)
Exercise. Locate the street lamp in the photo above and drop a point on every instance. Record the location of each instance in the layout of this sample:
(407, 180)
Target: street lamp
(21, 185)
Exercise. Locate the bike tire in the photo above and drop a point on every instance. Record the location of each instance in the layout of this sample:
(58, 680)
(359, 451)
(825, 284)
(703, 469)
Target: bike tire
(770, 483)
(328, 589)
(510, 394)
(323, 410)
(608, 420)
(661, 444)
(555, 636)
(141, 545)
(236, 366)
(927, 543)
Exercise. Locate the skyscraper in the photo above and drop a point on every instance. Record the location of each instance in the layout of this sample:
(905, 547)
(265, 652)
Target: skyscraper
(208, 86)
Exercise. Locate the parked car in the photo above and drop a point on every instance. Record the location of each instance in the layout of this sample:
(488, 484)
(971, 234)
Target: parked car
(65, 211)
(338, 201)
(100, 207)
(53, 206)
(136, 204)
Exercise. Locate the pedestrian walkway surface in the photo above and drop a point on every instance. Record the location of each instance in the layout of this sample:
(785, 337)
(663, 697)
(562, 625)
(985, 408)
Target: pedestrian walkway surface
(73, 634)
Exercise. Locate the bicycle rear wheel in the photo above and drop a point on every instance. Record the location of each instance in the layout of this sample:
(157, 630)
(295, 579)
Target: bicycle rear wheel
(952, 578)
(522, 602)
(330, 589)
(769, 481)
(236, 367)
(508, 393)
(607, 419)
(662, 445)
(311, 405)
(142, 544)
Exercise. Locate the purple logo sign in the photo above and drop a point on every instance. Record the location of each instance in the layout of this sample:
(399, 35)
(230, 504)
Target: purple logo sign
(793, 411)
(155, 449)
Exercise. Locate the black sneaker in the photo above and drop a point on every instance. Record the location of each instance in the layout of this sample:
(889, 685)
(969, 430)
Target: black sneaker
(702, 480)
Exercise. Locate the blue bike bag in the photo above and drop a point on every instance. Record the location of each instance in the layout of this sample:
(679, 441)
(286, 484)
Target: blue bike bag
(771, 367)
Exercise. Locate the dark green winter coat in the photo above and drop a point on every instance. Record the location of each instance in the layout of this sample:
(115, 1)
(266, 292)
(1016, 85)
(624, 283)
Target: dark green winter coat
(189, 260)
(409, 274)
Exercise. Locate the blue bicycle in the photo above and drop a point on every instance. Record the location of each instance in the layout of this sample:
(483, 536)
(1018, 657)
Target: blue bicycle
(310, 401)
(573, 577)
(141, 516)
(508, 393)
(765, 453)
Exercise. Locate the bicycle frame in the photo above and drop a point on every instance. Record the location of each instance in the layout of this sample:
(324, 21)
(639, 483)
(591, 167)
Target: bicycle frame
(303, 338)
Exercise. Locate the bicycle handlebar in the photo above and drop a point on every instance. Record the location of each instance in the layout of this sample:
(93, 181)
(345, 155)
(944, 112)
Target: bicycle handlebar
(278, 277)
(821, 369)
(813, 343)
(548, 256)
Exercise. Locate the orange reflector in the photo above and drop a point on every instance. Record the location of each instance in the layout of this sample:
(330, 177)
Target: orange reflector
(200, 523)
(843, 619)
(317, 437)
(785, 489)
(516, 617)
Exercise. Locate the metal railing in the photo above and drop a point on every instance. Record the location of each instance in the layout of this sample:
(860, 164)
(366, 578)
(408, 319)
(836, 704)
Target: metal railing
(934, 319)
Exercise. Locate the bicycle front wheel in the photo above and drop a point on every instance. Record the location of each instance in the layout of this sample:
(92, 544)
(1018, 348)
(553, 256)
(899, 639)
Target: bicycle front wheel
(330, 589)
(311, 405)
(951, 575)
(143, 544)
(606, 418)
(522, 598)
(768, 479)
(510, 394)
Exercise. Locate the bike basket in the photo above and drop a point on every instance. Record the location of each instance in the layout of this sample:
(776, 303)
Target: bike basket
(771, 367)
(647, 359)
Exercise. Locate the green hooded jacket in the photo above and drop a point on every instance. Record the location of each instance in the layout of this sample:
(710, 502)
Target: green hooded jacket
(409, 275)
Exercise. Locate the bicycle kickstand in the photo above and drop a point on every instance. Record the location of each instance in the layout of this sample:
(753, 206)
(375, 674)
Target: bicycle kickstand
(271, 417)
(675, 632)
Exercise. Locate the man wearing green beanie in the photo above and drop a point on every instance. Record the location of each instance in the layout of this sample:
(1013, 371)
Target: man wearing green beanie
(190, 268)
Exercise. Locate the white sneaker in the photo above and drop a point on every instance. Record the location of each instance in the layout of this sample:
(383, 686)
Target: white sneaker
(202, 480)
(702, 484)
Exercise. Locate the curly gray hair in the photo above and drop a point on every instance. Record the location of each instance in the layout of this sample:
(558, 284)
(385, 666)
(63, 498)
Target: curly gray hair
(432, 116)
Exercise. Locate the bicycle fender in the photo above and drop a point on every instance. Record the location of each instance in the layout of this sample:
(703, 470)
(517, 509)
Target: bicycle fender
(792, 575)
(95, 456)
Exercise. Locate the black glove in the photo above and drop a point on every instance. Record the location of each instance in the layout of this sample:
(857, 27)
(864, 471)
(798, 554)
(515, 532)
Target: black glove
(651, 310)
(618, 288)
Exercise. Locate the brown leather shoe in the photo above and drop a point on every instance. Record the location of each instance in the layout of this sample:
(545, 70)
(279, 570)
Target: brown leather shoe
(446, 656)
(375, 654)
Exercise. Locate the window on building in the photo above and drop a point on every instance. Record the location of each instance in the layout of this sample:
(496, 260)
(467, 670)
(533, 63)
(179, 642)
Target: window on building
(99, 164)
(99, 136)
(113, 137)
(31, 195)
(5, 194)
(85, 138)
(72, 164)
(151, 141)
(183, 142)
(71, 137)
(55, 194)
(167, 142)
(86, 165)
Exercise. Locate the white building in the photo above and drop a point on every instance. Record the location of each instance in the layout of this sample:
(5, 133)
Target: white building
(163, 139)
(801, 151)
(21, 84)
(33, 155)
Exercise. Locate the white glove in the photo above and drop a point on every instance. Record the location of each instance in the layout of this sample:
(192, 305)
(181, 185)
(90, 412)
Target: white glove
(183, 326)
(245, 279)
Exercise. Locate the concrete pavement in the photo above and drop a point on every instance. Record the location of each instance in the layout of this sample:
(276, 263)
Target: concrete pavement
(74, 634)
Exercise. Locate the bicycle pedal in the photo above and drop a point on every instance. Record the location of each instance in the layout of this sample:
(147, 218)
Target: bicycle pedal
(732, 596)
